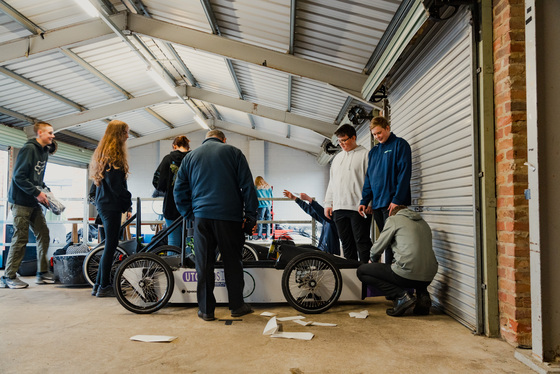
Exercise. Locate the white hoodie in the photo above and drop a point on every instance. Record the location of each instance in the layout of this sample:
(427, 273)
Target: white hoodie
(348, 170)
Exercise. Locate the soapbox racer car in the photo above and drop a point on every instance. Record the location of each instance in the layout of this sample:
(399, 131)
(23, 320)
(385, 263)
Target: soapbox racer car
(308, 279)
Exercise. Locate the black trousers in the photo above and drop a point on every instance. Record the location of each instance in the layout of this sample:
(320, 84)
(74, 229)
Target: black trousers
(382, 277)
(354, 233)
(380, 215)
(112, 223)
(229, 238)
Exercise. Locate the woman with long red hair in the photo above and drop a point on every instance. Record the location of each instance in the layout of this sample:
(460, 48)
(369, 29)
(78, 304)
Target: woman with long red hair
(109, 170)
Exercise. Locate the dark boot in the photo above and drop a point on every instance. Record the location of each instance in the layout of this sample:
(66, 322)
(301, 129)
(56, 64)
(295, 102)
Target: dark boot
(401, 305)
(423, 305)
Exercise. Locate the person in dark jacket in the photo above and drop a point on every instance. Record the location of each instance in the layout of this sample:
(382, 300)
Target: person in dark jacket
(24, 196)
(164, 181)
(214, 186)
(387, 182)
(109, 171)
(328, 241)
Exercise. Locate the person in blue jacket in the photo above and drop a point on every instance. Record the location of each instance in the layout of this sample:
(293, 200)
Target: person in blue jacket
(264, 190)
(214, 186)
(328, 241)
(387, 182)
(109, 171)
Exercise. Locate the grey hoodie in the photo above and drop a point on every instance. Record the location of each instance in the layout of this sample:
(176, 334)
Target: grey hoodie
(410, 238)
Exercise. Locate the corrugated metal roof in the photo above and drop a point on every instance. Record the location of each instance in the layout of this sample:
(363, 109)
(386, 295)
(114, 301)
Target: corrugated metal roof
(10, 29)
(51, 14)
(340, 33)
(263, 86)
(263, 23)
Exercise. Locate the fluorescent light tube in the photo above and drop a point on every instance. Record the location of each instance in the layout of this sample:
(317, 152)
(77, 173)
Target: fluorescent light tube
(201, 122)
(161, 82)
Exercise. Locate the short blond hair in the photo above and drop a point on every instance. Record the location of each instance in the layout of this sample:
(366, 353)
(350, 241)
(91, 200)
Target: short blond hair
(379, 121)
(39, 126)
(216, 134)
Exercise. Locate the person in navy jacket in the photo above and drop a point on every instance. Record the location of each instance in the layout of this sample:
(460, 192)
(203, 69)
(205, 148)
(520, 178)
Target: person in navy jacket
(387, 182)
(214, 186)
(328, 241)
(109, 171)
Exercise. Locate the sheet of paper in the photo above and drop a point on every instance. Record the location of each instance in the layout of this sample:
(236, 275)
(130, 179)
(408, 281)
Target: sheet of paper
(268, 314)
(294, 335)
(271, 327)
(362, 314)
(323, 324)
(302, 322)
(153, 338)
(283, 319)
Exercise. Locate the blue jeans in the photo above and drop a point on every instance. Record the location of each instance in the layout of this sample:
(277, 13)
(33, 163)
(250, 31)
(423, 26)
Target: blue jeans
(263, 215)
(174, 237)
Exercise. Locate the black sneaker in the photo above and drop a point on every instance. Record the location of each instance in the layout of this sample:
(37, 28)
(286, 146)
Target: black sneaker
(401, 305)
(242, 310)
(206, 317)
(105, 291)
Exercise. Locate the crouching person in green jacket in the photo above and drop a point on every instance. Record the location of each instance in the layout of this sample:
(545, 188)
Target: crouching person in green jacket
(414, 264)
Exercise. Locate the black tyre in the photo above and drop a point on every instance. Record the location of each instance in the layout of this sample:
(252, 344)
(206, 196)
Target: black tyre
(91, 263)
(249, 254)
(166, 250)
(311, 283)
(144, 283)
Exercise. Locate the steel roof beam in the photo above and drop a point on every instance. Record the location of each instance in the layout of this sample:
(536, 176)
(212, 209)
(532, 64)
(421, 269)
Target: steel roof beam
(340, 78)
(67, 36)
(77, 59)
(323, 128)
(243, 130)
(20, 18)
(160, 135)
(17, 115)
(109, 110)
(21, 79)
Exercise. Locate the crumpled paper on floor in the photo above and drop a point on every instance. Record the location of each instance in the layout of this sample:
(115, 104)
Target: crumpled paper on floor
(362, 314)
(153, 338)
(294, 335)
(271, 327)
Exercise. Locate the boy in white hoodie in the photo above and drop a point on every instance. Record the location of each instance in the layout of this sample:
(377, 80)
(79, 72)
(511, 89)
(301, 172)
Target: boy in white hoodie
(344, 192)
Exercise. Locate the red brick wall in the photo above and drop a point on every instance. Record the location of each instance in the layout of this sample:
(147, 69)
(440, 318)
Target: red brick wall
(511, 174)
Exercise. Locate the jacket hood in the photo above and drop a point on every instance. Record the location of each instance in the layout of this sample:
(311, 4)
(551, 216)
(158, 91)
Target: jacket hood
(177, 156)
(415, 216)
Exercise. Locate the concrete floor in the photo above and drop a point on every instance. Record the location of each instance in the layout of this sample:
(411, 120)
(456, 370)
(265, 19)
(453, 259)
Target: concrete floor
(58, 329)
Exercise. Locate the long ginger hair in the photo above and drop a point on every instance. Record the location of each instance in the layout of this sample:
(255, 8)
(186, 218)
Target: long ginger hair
(111, 152)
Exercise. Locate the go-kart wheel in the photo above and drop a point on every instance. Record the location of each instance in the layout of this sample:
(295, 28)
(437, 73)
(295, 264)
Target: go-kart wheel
(166, 250)
(93, 258)
(144, 283)
(311, 283)
(248, 254)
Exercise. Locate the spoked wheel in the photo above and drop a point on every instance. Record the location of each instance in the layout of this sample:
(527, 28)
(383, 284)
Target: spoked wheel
(92, 260)
(144, 283)
(166, 250)
(248, 254)
(311, 283)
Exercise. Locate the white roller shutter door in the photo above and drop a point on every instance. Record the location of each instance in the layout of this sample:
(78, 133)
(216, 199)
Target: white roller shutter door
(431, 106)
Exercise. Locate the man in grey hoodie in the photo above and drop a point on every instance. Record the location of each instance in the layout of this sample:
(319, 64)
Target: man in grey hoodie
(414, 264)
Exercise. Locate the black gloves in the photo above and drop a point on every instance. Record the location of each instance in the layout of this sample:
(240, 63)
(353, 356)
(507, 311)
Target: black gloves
(249, 225)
